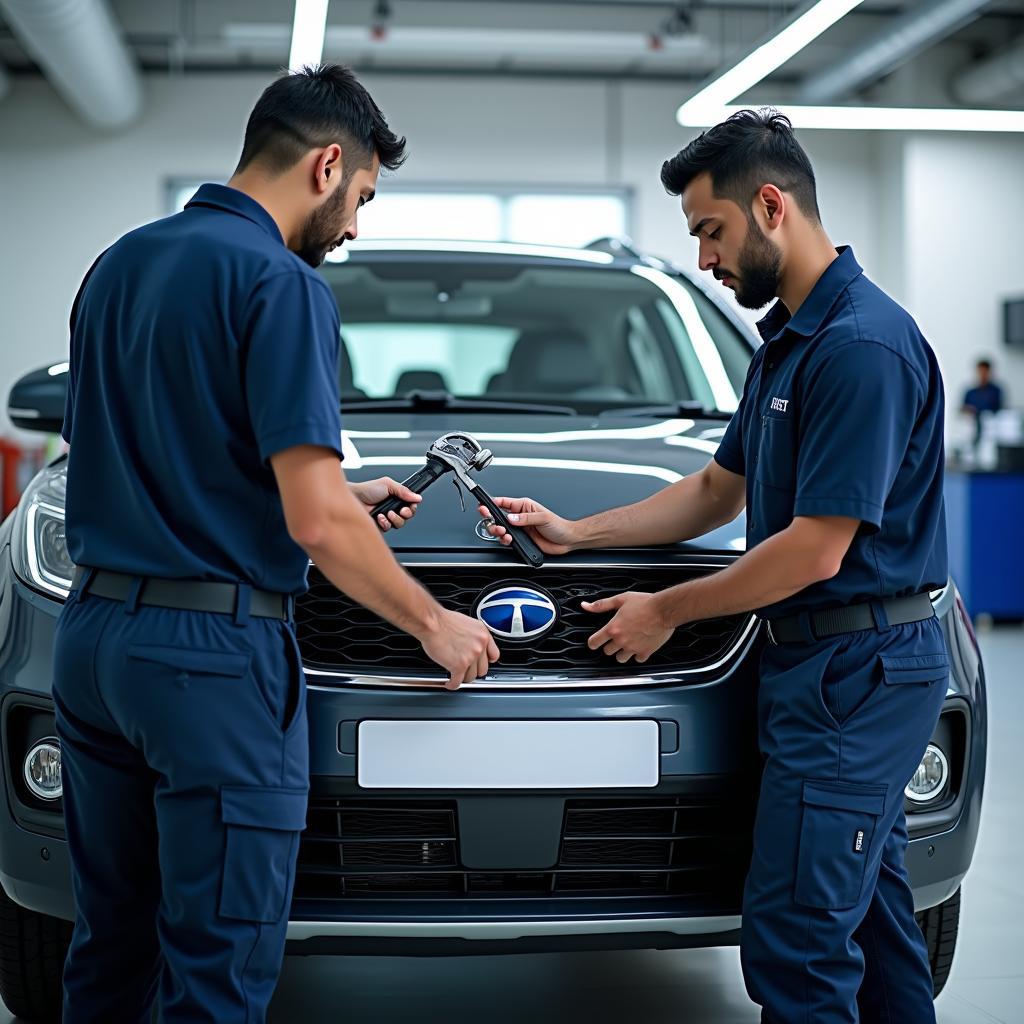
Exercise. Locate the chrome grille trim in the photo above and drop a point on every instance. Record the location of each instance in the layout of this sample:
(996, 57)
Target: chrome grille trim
(548, 682)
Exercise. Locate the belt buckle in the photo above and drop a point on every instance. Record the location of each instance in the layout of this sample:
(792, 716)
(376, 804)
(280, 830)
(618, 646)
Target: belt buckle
(771, 635)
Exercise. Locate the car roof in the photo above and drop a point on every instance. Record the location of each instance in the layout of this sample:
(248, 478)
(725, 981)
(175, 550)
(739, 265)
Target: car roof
(506, 251)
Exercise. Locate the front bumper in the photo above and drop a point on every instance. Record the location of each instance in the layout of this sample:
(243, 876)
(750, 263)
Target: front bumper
(708, 753)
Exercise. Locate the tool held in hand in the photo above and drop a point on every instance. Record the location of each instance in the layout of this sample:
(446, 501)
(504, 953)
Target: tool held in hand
(460, 454)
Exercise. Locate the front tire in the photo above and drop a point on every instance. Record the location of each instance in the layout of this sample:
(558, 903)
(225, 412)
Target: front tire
(940, 925)
(32, 951)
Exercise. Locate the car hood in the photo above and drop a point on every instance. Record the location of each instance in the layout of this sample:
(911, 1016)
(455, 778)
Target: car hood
(574, 465)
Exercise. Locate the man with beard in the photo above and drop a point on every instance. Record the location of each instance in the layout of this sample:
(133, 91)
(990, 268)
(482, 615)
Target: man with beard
(203, 475)
(836, 453)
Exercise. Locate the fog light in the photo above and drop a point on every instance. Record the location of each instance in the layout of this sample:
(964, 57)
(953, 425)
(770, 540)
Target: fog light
(42, 769)
(930, 778)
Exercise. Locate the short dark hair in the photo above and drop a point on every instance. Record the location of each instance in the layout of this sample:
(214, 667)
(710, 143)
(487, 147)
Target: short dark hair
(315, 107)
(749, 149)
(984, 364)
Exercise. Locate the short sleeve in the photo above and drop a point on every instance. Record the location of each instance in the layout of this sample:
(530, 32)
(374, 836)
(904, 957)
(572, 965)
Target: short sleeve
(857, 415)
(291, 368)
(730, 454)
(75, 352)
(730, 451)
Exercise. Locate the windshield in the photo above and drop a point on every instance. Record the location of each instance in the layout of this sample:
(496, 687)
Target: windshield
(591, 338)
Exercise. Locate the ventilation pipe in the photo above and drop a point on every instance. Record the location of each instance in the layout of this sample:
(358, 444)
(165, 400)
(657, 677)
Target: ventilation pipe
(928, 22)
(79, 47)
(992, 79)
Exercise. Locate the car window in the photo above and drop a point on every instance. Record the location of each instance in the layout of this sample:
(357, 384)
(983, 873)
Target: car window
(389, 359)
(592, 337)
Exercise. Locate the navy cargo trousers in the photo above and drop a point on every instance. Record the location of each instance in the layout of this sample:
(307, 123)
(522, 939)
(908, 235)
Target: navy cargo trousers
(185, 768)
(829, 935)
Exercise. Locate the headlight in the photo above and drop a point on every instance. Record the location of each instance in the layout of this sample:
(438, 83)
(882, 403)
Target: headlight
(931, 776)
(42, 769)
(39, 548)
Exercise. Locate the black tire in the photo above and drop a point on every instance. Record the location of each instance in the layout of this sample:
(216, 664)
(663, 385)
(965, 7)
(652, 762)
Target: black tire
(32, 951)
(940, 925)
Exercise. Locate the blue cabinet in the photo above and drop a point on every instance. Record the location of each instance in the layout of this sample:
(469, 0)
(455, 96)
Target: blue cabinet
(985, 519)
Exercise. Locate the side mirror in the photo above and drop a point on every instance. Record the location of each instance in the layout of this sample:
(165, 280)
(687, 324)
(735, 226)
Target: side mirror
(36, 402)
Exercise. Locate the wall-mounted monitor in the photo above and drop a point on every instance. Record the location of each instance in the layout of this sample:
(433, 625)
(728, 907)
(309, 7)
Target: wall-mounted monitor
(1013, 322)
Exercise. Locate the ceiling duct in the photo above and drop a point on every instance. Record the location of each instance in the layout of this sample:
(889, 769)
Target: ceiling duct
(78, 46)
(928, 22)
(993, 79)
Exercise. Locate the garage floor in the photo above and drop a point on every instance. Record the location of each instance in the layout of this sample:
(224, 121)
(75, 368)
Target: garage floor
(703, 986)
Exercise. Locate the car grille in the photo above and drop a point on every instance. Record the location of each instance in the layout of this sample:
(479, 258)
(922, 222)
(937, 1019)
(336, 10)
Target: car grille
(694, 849)
(337, 634)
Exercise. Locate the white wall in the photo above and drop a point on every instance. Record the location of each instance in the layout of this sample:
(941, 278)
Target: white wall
(964, 204)
(65, 192)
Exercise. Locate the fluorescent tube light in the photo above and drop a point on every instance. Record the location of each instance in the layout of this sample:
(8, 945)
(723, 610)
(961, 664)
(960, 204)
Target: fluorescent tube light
(766, 58)
(308, 33)
(713, 103)
(901, 119)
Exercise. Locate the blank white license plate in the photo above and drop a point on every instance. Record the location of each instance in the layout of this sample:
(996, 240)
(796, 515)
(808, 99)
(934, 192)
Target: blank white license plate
(508, 755)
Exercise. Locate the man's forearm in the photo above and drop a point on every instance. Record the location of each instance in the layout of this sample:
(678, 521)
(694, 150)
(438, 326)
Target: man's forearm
(774, 570)
(681, 511)
(355, 558)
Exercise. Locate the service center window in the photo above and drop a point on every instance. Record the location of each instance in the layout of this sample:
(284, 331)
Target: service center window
(544, 217)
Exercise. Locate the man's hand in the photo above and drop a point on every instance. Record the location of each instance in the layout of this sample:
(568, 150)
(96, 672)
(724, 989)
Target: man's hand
(461, 645)
(637, 630)
(372, 492)
(551, 533)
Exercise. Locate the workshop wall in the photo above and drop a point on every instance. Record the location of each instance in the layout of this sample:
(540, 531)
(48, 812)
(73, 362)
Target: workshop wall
(66, 192)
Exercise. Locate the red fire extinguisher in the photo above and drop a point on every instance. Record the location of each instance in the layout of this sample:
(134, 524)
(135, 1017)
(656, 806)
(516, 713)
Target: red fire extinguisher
(18, 465)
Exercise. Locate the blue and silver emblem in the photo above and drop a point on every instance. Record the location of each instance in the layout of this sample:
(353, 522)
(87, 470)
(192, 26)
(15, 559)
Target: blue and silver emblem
(517, 613)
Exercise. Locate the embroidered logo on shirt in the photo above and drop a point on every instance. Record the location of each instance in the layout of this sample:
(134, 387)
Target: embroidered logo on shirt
(780, 404)
(858, 841)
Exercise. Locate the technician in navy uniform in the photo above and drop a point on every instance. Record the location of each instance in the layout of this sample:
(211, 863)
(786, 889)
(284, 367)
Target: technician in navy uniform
(203, 475)
(836, 454)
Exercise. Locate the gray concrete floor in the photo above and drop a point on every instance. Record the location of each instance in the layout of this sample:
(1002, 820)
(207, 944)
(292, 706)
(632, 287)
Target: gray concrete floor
(700, 986)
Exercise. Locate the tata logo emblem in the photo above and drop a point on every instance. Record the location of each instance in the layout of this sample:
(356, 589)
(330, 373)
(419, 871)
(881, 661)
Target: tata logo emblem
(517, 612)
(780, 404)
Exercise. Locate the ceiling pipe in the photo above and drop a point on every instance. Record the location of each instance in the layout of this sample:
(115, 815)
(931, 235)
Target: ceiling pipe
(78, 45)
(993, 79)
(928, 22)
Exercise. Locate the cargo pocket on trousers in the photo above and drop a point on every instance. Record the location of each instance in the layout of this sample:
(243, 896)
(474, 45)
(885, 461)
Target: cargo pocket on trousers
(263, 826)
(918, 668)
(836, 834)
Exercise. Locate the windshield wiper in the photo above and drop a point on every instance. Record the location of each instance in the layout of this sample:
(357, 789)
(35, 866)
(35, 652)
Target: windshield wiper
(691, 410)
(444, 401)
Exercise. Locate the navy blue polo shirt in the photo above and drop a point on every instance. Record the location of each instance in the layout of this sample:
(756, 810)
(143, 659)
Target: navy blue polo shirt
(200, 347)
(986, 398)
(842, 415)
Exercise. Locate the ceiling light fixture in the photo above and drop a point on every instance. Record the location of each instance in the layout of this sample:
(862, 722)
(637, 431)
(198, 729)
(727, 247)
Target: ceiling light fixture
(764, 59)
(714, 102)
(899, 119)
(308, 34)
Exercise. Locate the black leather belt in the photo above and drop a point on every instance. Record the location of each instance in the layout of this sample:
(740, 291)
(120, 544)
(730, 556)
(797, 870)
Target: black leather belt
(185, 595)
(809, 626)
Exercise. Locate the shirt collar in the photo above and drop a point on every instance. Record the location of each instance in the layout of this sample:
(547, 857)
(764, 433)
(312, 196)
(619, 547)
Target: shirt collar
(223, 197)
(811, 314)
